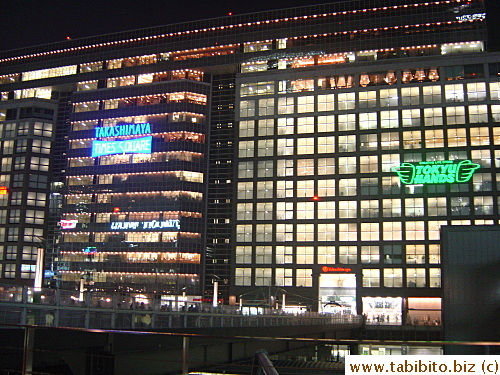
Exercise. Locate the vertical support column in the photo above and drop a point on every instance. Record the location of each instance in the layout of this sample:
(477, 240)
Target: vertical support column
(185, 355)
(29, 340)
(216, 294)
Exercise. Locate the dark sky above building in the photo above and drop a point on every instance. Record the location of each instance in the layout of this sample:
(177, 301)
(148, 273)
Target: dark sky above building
(30, 22)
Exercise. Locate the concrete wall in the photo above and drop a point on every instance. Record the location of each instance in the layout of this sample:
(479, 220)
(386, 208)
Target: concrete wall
(471, 281)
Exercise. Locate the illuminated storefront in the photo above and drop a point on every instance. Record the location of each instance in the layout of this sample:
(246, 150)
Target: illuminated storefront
(337, 291)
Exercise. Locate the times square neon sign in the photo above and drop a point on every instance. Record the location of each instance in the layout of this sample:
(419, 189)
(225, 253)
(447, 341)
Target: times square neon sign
(141, 145)
(436, 172)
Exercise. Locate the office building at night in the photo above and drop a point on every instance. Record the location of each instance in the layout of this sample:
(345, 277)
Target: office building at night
(312, 153)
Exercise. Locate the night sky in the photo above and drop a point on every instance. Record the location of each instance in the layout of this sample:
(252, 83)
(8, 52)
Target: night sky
(30, 22)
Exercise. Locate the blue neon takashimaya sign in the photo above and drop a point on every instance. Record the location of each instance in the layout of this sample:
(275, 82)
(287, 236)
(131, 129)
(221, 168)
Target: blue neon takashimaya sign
(122, 130)
(141, 145)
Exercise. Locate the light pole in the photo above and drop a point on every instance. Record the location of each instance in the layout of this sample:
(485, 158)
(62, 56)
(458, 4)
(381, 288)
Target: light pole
(215, 281)
(40, 258)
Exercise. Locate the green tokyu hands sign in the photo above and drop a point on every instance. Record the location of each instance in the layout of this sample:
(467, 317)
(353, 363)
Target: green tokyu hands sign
(436, 172)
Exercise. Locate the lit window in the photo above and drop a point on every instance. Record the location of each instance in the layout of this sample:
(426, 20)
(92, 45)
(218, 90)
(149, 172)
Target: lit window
(370, 255)
(371, 278)
(415, 277)
(393, 277)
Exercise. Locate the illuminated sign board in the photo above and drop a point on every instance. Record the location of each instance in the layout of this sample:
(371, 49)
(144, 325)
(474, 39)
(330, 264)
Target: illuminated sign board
(471, 17)
(148, 225)
(48, 274)
(335, 269)
(436, 172)
(129, 146)
(123, 130)
(68, 224)
(90, 250)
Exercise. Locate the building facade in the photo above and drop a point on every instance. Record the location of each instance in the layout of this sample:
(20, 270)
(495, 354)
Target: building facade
(305, 156)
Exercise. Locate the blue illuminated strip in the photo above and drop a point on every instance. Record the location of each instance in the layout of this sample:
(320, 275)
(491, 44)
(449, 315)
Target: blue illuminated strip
(130, 146)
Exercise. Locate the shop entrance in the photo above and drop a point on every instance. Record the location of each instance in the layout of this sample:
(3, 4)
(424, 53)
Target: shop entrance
(382, 310)
(337, 293)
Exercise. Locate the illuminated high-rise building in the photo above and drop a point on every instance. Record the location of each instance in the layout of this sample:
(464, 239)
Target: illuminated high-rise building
(311, 152)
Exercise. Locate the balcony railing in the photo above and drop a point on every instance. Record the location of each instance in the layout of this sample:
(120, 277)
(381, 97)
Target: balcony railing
(63, 308)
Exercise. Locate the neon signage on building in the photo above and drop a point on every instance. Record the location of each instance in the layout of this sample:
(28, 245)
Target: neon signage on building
(123, 130)
(335, 269)
(68, 224)
(471, 17)
(436, 172)
(129, 146)
(140, 225)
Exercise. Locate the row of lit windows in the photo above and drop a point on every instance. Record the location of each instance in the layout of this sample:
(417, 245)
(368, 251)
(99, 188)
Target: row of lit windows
(19, 163)
(30, 198)
(141, 178)
(132, 278)
(392, 277)
(144, 79)
(18, 180)
(300, 277)
(366, 99)
(113, 237)
(13, 252)
(301, 61)
(26, 128)
(14, 216)
(155, 157)
(23, 271)
(429, 94)
(417, 75)
(347, 209)
(131, 216)
(15, 234)
(347, 231)
(97, 66)
(130, 257)
(433, 116)
(139, 101)
(24, 145)
(344, 81)
(364, 254)
(154, 119)
(189, 117)
(408, 140)
(323, 188)
(139, 198)
(349, 165)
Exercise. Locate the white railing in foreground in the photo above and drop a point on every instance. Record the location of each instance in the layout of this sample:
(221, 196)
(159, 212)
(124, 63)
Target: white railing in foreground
(61, 308)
